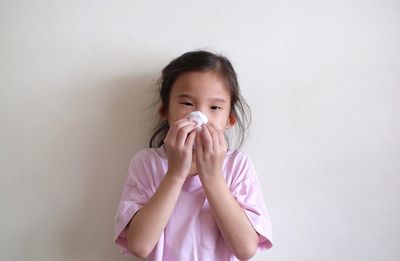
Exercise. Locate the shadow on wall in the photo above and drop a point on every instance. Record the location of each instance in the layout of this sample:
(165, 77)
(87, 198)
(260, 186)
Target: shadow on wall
(117, 119)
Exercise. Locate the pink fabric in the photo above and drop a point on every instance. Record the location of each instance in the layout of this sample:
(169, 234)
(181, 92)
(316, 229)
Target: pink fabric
(191, 233)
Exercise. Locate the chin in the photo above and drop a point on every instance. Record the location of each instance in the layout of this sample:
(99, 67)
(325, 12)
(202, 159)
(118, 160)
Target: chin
(193, 170)
(193, 167)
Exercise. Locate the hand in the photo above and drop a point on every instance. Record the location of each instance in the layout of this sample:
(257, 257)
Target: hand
(178, 144)
(210, 151)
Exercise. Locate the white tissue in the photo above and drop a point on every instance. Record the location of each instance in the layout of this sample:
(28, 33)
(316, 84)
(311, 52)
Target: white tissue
(197, 117)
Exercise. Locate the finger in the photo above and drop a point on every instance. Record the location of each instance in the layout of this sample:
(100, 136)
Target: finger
(191, 139)
(179, 124)
(221, 135)
(183, 135)
(206, 139)
(174, 129)
(174, 124)
(199, 147)
(214, 136)
(171, 127)
(216, 131)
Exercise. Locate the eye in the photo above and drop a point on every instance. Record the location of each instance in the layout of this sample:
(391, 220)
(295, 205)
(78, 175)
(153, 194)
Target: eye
(216, 108)
(187, 103)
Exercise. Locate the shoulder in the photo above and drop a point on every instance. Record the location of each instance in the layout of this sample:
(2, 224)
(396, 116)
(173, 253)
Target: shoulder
(146, 165)
(238, 164)
(237, 157)
(147, 157)
(148, 154)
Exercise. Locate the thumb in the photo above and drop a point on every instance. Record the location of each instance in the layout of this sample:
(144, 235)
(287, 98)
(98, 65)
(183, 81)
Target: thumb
(191, 138)
(199, 147)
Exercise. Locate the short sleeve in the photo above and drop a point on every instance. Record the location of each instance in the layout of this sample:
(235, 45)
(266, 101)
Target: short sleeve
(137, 190)
(247, 191)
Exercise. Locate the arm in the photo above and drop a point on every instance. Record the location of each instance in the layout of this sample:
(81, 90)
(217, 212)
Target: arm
(231, 219)
(145, 228)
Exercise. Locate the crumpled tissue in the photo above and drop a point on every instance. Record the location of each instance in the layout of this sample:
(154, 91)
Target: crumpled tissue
(197, 117)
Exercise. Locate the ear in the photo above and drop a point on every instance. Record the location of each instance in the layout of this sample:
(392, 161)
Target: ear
(162, 111)
(231, 121)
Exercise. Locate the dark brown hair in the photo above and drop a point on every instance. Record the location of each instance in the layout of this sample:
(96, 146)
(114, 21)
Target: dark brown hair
(201, 61)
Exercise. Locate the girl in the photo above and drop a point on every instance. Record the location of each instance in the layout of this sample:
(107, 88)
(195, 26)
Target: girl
(189, 197)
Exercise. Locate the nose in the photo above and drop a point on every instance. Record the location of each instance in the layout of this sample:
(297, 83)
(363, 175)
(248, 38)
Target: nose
(202, 107)
(198, 116)
(202, 111)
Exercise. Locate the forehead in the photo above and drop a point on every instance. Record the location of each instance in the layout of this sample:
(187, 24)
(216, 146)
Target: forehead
(200, 84)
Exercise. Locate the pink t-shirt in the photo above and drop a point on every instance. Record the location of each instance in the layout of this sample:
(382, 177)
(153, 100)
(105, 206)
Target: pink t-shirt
(191, 232)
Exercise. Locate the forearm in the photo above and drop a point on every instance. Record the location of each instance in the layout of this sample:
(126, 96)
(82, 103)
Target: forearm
(231, 219)
(146, 226)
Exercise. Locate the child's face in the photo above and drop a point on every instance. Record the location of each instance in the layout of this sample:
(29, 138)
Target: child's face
(200, 91)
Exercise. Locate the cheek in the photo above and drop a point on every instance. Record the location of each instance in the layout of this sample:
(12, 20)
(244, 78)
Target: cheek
(176, 114)
(218, 124)
(219, 121)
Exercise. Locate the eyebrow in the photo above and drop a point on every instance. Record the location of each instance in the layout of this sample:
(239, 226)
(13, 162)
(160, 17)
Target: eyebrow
(210, 99)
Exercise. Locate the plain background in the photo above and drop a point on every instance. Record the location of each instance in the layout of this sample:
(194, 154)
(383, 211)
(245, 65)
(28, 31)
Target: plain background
(77, 79)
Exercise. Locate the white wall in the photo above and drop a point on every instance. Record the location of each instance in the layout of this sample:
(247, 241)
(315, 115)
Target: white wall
(322, 78)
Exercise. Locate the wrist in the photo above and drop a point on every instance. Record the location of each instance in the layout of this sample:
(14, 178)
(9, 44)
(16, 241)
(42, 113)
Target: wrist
(212, 180)
(179, 179)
